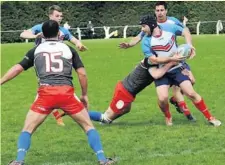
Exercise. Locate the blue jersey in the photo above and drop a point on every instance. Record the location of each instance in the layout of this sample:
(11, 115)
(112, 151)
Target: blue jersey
(167, 23)
(163, 45)
(64, 33)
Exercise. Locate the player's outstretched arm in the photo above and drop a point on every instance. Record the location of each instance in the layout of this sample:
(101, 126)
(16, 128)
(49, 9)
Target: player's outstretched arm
(134, 41)
(12, 73)
(78, 44)
(27, 34)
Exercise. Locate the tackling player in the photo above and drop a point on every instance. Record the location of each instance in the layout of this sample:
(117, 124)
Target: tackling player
(162, 19)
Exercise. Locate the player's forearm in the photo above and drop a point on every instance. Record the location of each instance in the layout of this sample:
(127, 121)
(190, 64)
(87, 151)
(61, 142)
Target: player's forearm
(134, 41)
(76, 42)
(187, 36)
(158, 73)
(27, 35)
(159, 60)
(12, 73)
(82, 76)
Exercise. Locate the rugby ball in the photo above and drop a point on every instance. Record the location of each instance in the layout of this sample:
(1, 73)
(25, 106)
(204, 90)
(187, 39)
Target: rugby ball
(184, 50)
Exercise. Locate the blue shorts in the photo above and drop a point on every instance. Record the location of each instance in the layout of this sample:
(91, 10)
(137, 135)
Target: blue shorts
(186, 66)
(175, 77)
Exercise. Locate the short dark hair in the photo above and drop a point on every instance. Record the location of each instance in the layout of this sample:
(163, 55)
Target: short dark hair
(50, 29)
(54, 7)
(163, 3)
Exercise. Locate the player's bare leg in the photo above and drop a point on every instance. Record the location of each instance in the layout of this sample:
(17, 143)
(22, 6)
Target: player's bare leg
(198, 101)
(58, 116)
(162, 92)
(83, 119)
(33, 120)
(178, 101)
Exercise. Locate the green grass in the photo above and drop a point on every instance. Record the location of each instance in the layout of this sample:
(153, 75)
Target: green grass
(138, 138)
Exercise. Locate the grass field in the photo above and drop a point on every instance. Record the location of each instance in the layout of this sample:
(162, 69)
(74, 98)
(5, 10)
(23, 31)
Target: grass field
(140, 137)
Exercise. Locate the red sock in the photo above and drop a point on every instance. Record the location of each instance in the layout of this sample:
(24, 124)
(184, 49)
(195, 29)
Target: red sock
(203, 108)
(166, 111)
(184, 108)
(56, 114)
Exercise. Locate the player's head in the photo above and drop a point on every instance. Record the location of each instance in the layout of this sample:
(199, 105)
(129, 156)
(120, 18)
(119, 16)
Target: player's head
(148, 24)
(55, 13)
(161, 10)
(50, 29)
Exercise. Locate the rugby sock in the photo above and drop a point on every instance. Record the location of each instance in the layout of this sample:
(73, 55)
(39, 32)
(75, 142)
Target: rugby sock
(201, 106)
(23, 145)
(56, 114)
(166, 111)
(95, 143)
(96, 116)
(182, 105)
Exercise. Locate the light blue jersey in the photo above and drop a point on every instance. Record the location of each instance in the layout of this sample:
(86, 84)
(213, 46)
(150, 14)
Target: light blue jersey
(163, 45)
(64, 33)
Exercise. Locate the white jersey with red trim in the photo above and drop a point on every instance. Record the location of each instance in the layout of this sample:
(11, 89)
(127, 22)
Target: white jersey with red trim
(163, 45)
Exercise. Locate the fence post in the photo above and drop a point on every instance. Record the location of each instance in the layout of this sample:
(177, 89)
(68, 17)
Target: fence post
(219, 27)
(106, 32)
(79, 33)
(125, 31)
(197, 28)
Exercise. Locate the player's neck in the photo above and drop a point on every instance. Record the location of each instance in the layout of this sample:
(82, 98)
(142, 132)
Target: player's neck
(162, 20)
(52, 39)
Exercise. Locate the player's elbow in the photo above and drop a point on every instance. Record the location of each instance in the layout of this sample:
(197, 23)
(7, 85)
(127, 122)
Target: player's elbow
(22, 35)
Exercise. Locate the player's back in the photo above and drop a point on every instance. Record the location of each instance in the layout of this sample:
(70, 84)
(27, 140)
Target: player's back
(53, 63)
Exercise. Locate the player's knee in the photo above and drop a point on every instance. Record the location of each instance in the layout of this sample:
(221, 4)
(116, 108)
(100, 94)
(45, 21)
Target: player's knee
(127, 109)
(192, 80)
(191, 94)
(163, 99)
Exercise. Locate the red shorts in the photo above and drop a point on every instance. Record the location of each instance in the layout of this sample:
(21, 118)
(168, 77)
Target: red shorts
(121, 99)
(54, 97)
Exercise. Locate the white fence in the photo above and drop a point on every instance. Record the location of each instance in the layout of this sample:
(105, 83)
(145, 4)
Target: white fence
(108, 34)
